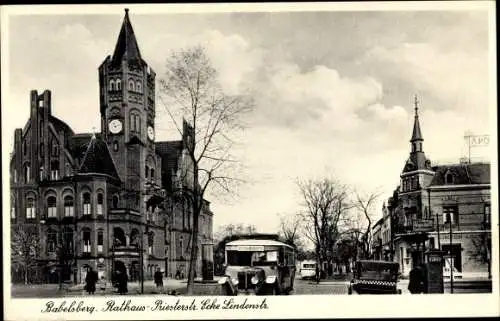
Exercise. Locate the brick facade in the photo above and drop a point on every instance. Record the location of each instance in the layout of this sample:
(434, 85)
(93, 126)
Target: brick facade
(98, 199)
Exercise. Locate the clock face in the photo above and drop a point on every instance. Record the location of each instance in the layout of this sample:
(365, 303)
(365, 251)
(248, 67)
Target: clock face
(151, 133)
(115, 126)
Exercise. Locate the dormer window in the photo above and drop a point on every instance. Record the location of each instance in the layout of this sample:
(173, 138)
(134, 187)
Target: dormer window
(449, 178)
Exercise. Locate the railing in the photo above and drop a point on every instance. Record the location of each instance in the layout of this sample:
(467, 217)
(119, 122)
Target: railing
(415, 225)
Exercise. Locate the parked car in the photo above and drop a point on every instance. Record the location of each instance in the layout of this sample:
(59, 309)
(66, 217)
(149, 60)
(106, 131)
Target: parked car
(375, 277)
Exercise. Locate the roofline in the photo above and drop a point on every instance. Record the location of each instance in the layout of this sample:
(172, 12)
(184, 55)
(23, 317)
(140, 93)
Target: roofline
(458, 186)
(262, 240)
(425, 171)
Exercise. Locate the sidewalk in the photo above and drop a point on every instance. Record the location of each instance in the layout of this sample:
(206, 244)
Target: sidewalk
(133, 287)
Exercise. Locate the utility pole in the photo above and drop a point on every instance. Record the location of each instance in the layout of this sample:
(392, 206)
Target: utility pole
(451, 255)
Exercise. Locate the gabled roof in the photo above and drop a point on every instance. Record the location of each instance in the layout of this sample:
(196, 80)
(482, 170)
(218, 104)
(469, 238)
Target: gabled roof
(98, 160)
(126, 46)
(463, 174)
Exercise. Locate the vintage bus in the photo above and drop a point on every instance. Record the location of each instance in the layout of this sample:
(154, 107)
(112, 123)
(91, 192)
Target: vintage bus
(308, 269)
(258, 266)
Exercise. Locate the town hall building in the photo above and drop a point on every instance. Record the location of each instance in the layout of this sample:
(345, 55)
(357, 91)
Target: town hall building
(108, 200)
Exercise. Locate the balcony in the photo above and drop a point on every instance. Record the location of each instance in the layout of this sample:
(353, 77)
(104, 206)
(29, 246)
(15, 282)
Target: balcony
(415, 226)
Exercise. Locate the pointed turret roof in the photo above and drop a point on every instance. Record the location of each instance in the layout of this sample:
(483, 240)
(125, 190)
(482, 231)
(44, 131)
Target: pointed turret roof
(98, 160)
(126, 47)
(417, 134)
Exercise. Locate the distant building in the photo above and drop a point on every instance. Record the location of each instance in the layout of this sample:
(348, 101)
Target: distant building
(107, 200)
(428, 198)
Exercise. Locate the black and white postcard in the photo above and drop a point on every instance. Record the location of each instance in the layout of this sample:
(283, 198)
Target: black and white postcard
(291, 160)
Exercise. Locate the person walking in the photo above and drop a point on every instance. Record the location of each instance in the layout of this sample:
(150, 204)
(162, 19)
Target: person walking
(159, 280)
(90, 281)
(416, 280)
(122, 282)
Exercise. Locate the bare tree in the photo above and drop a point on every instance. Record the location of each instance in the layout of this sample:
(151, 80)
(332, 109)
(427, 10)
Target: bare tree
(364, 204)
(25, 246)
(289, 229)
(190, 90)
(325, 203)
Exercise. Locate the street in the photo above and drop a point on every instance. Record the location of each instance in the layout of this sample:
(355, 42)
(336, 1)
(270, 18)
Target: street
(301, 287)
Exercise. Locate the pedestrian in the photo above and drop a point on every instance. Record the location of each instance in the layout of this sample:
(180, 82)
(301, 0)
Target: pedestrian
(416, 280)
(159, 280)
(177, 274)
(90, 281)
(122, 282)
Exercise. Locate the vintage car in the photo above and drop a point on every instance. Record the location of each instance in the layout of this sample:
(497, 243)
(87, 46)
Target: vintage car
(308, 269)
(375, 277)
(260, 267)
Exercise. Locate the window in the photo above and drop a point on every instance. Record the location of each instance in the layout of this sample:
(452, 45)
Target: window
(139, 86)
(86, 241)
(100, 241)
(111, 85)
(450, 214)
(487, 208)
(100, 201)
(54, 170)
(51, 206)
(118, 84)
(68, 169)
(27, 171)
(147, 171)
(449, 178)
(131, 85)
(30, 208)
(68, 206)
(115, 146)
(51, 241)
(55, 150)
(135, 122)
(86, 203)
(115, 201)
(152, 174)
(41, 172)
(151, 237)
(42, 150)
(13, 211)
(15, 176)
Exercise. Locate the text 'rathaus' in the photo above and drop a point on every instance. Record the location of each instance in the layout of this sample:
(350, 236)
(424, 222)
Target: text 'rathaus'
(104, 200)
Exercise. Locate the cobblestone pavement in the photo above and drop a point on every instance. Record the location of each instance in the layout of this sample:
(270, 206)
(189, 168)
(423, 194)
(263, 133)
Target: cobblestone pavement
(303, 287)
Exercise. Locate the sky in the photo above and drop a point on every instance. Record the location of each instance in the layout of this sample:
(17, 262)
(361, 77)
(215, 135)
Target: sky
(334, 90)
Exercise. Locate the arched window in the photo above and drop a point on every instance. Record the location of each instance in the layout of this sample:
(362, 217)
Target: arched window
(151, 237)
(86, 203)
(147, 171)
(13, 208)
(115, 146)
(118, 84)
(15, 175)
(119, 238)
(69, 206)
(134, 238)
(100, 204)
(54, 170)
(138, 86)
(111, 85)
(131, 85)
(100, 240)
(27, 173)
(135, 122)
(55, 149)
(51, 241)
(30, 208)
(116, 200)
(41, 173)
(449, 178)
(87, 245)
(152, 174)
(51, 206)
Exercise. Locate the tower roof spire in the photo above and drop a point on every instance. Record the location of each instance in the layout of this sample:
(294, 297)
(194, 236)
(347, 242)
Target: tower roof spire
(126, 46)
(417, 134)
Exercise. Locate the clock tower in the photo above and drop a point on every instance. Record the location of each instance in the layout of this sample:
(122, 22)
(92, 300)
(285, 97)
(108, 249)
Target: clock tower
(127, 106)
